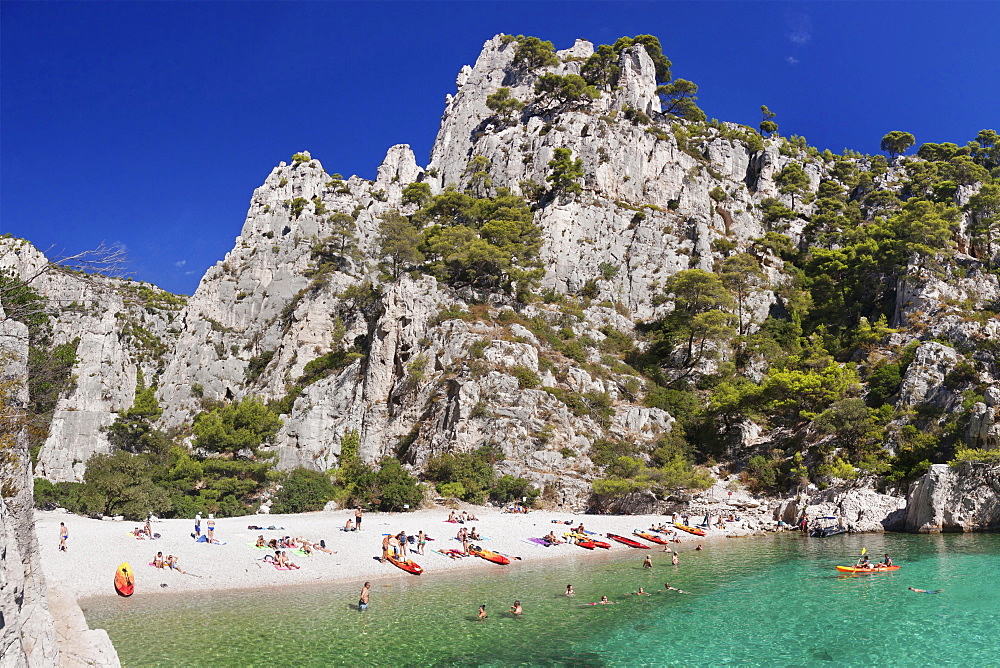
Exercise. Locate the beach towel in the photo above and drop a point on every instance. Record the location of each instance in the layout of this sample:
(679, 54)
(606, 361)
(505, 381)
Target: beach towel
(282, 568)
(256, 547)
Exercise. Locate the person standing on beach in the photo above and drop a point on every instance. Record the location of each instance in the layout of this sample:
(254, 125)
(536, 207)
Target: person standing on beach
(647, 563)
(357, 518)
(402, 544)
(385, 548)
(63, 535)
(211, 527)
(197, 525)
(421, 542)
(363, 599)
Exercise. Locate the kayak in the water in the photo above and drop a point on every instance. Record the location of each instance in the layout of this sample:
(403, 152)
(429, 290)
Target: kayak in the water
(862, 571)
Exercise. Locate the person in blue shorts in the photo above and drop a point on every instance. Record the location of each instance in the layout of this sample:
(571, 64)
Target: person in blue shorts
(363, 599)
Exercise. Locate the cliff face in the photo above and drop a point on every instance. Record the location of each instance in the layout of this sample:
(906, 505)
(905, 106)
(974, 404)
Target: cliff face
(949, 499)
(27, 632)
(426, 368)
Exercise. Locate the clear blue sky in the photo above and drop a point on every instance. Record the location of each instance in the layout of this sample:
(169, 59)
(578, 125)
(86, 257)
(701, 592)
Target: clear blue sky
(149, 124)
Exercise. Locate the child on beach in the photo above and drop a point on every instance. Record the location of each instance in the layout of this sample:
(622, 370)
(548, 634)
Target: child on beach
(482, 611)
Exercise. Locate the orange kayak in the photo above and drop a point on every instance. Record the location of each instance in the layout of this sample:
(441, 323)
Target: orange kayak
(407, 565)
(650, 537)
(865, 571)
(488, 555)
(124, 581)
(684, 527)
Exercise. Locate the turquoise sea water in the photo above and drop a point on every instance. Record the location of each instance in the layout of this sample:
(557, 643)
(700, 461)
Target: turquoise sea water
(774, 601)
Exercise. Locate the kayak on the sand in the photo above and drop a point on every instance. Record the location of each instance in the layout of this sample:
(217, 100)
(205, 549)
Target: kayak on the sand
(488, 555)
(684, 527)
(650, 537)
(873, 569)
(627, 541)
(124, 581)
(407, 565)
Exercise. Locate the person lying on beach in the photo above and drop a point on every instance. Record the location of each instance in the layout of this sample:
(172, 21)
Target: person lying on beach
(569, 590)
(287, 542)
(172, 563)
(516, 608)
(273, 543)
(667, 587)
(323, 548)
(306, 548)
(158, 560)
(349, 526)
(641, 592)
(260, 541)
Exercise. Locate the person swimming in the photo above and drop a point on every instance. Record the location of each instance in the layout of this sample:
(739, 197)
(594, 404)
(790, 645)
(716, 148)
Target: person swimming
(926, 591)
(569, 590)
(641, 592)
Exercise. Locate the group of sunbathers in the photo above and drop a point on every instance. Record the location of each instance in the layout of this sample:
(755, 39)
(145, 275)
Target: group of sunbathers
(461, 518)
(144, 533)
(170, 562)
(298, 543)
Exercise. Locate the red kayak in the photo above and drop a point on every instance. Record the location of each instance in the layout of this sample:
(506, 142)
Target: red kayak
(627, 541)
(586, 544)
(407, 565)
(650, 537)
(601, 544)
(683, 527)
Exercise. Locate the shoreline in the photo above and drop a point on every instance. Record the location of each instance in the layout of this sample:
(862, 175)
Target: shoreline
(97, 547)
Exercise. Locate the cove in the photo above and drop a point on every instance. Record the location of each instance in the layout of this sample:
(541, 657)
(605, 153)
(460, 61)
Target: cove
(774, 600)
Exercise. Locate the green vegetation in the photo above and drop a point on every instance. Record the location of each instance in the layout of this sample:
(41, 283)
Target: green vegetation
(504, 105)
(566, 172)
(471, 476)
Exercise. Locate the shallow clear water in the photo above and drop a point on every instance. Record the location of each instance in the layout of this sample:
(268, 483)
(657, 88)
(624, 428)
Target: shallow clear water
(754, 601)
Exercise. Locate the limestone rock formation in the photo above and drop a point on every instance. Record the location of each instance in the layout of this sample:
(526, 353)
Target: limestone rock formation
(947, 499)
(27, 632)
